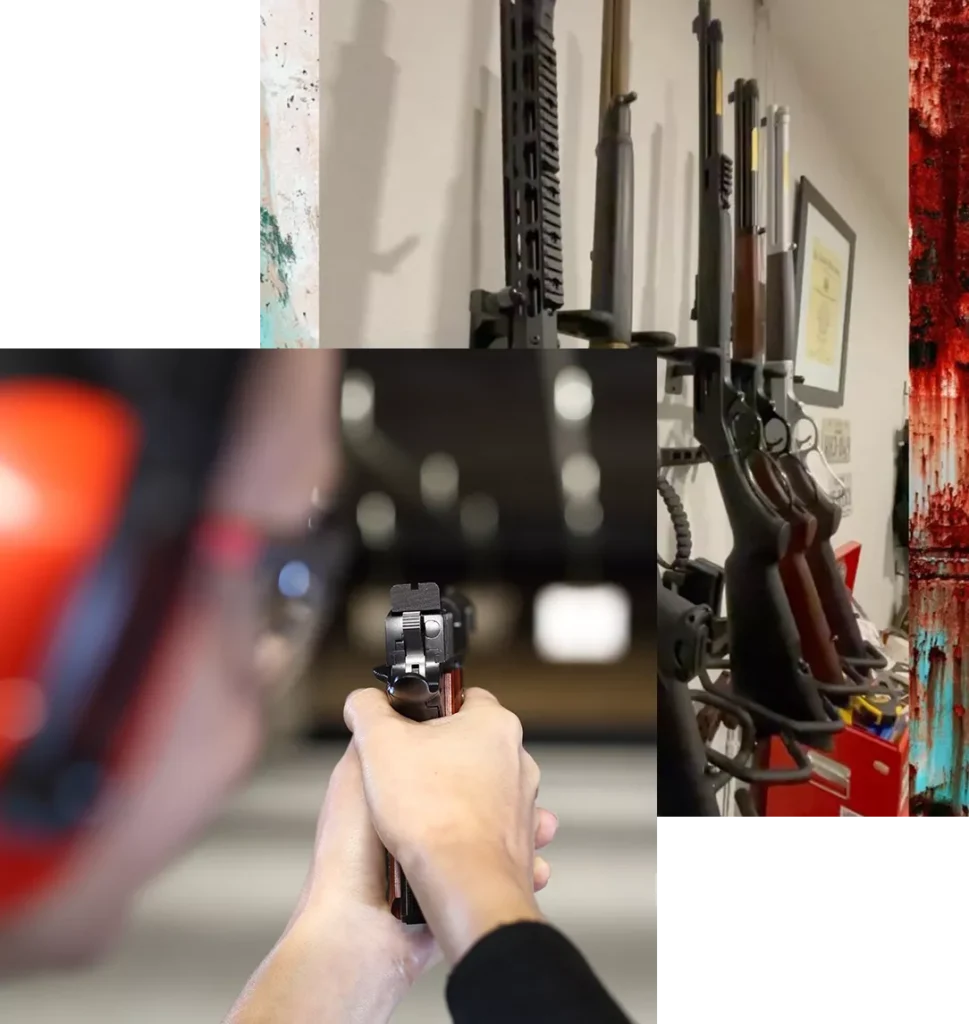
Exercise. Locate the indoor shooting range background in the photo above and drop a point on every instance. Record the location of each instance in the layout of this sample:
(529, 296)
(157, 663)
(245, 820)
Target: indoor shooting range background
(526, 481)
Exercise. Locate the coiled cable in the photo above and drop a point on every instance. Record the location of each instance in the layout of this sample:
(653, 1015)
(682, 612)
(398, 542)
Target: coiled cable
(680, 520)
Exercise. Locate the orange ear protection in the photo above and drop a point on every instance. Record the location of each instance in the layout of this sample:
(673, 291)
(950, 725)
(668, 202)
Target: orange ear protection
(100, 494)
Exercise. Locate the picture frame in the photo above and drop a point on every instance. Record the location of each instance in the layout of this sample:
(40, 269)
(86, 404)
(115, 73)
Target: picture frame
(824, 278)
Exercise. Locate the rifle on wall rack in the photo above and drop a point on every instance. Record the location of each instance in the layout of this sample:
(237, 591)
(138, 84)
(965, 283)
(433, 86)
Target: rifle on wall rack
(782, 413)
(769, 681)
(527, 312)
(782, 581)
(747, 371)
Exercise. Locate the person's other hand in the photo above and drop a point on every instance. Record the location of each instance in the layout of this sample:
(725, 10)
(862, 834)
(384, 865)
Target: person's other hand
(453, 799)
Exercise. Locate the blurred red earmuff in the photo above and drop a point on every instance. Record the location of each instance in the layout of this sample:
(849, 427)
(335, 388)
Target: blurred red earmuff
(67, 453)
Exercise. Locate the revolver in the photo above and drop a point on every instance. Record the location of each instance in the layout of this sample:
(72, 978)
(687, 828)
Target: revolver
(426, 636)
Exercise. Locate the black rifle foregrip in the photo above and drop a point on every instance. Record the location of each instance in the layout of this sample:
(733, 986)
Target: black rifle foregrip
(780, 305)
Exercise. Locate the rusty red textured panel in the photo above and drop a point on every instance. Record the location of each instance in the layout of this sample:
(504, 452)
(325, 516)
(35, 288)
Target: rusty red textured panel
(939, 408)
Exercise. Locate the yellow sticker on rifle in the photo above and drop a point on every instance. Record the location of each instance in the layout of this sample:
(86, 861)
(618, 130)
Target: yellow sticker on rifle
(754, 150)
(719, 94)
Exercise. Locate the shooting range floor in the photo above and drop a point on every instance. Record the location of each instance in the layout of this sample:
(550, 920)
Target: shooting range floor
(205, 925)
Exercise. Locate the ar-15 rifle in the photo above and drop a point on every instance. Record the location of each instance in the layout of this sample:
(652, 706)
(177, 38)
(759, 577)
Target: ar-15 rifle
(769, 677)
(782, 413)
(527, 312)
(426, 638)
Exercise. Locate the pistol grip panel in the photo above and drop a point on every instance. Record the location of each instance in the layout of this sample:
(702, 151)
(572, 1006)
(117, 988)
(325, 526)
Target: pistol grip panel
(447, 701)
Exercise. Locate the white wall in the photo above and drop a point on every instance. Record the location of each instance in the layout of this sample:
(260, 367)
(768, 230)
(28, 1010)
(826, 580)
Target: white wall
(410, 212)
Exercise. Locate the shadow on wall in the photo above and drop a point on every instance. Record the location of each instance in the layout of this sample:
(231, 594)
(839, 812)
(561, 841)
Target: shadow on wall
(360, 106)
(572, 152)
(473, 229)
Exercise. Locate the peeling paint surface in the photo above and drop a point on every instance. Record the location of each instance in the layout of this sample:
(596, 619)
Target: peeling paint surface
(289, 268)
(939, 405)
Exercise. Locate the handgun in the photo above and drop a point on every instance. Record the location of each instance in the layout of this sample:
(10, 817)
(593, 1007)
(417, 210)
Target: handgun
(426, 637)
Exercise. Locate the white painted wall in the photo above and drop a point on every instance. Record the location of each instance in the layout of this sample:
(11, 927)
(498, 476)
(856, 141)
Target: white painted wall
(410, 213)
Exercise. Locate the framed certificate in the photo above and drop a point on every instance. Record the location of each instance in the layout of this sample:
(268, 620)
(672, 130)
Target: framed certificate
(824, 261)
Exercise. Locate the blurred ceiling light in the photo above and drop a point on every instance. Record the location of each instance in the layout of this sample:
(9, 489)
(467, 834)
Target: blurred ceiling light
(357, 402)
(439, 481)
(479, 518)
(582, 624)
(583, 517)
(573, 394)
(376, 519)
(580, 476)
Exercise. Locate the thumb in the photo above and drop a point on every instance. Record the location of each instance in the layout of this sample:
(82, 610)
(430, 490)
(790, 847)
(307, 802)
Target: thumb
(365, 707)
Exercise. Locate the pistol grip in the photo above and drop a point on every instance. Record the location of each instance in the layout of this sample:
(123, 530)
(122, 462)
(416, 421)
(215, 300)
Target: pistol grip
(446, 701)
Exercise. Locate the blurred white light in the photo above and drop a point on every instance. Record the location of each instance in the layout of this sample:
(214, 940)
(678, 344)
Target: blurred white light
(573, 394)
(376, 519)
(356, 401)
(580, 476)
(479, 518)
(583, 518)
(582, 624)
(439, 481)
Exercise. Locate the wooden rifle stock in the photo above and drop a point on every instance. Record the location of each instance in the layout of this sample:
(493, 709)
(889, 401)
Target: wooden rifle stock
(828, 581)
(802, 595)
(748, 341)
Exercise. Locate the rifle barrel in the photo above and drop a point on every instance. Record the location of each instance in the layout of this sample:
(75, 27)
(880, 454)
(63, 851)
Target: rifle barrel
(748, 334)
(605, 64)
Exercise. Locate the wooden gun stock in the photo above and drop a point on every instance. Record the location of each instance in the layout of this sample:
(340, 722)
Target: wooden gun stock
(828, 581)
(807, 608)
(748, 341)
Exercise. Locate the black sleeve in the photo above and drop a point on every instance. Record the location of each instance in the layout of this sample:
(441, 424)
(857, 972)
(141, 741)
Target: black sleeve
(528, 973)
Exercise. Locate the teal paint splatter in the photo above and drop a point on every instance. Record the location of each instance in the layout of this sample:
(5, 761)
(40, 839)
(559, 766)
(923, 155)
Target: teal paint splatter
(266, 329)
(276, 250)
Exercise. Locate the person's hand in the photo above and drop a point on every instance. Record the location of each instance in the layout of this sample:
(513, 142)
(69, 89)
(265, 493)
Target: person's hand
(453, 800)
(343, 956)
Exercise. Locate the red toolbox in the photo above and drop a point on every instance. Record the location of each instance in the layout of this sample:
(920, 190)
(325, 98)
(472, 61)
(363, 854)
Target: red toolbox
(863, 776)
